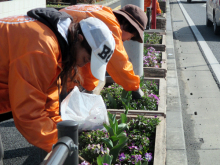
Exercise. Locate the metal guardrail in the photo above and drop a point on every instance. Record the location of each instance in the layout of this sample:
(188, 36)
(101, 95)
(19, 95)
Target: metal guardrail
(65, 151)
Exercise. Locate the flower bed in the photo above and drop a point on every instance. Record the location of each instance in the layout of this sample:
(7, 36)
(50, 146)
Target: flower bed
(160, 108)
(144, 142)
(161, 46)
(154, 63)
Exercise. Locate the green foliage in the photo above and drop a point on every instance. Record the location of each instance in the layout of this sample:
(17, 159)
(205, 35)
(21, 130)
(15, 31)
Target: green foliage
(104, 159)
(116, 98)
(134, 140)
(152, 38)
(117, 138)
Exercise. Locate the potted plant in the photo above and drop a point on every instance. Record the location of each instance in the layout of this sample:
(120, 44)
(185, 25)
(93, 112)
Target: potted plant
(152, 103)
(155, 40)
(128, 140)
(154, 63)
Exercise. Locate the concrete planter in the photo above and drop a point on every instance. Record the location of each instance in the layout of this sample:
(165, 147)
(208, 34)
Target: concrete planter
(161, 111)
(160, 139)
(158, 47)
(157, 72)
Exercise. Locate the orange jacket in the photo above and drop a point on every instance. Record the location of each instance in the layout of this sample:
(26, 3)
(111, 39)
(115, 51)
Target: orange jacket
(147, 3)
(28, 78)
(119, 67)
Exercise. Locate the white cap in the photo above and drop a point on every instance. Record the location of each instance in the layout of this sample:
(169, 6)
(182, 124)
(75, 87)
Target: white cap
(102, 43)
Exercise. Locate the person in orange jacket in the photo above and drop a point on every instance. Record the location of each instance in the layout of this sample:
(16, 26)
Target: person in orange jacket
(35, 51)
(147, 3)
(126, 24)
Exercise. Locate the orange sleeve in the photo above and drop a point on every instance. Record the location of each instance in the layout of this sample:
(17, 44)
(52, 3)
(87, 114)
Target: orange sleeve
(34, 98)
(121, 69)
(158, 8)
(147, 3)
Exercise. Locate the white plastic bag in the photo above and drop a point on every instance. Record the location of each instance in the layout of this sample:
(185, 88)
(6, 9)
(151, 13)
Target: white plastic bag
(88, 110)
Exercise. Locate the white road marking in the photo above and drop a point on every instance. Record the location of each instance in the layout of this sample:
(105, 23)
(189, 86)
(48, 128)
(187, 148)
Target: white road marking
(215, 66)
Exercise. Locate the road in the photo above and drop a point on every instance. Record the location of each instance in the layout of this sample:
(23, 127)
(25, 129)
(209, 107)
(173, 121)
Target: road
(199, 92)
(197, 12)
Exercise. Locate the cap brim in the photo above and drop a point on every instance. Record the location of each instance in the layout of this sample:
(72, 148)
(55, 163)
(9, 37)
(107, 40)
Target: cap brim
(140, 32)
(98, 68)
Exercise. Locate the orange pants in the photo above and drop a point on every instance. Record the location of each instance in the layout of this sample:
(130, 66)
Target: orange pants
(147, 3)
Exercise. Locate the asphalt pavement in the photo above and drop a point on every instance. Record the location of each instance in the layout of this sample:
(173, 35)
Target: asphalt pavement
(192, 94)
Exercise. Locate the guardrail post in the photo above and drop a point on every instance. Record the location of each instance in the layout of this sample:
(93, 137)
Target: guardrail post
(148, 17)
(153, 21)
(69, 128)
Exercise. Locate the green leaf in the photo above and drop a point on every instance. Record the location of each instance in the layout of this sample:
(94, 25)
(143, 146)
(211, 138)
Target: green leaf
(109, 129)
(145, 163)
(104, 159)
(115, 140)
(121, 128)
(108, 142)
(116, 149)
(124, 93)
(124, 117)
(138, 163)
(112, 117)
(112, 102)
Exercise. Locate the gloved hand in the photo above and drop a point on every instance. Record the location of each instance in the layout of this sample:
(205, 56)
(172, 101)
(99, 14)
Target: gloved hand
(137, 94)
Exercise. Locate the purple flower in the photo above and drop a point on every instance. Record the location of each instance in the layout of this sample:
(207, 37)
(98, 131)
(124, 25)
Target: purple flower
(84, 163)
(121, 157)
(136, 158)
(105, 164)
(148, 156)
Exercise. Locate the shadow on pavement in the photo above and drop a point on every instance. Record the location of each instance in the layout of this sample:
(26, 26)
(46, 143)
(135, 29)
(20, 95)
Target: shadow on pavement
(185, 2)
(185, 34)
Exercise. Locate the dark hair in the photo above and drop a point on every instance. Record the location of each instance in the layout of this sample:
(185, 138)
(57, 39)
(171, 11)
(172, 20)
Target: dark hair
(127, 26)
(69, 71)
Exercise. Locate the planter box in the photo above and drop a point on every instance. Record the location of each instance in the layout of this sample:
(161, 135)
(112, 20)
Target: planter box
(158, 31)
(161, 111)
(160, 139)
(162, 6)
(158, 47)
(161, 22)
(159, 146)
(157, 72)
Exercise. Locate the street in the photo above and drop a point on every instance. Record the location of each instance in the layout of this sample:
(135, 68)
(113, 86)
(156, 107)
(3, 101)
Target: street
(198, 89)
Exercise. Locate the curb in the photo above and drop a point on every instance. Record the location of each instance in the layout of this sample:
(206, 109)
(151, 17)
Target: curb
(175, 143)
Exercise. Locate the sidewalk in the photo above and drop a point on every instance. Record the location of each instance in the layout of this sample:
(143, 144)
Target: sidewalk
(176, 149)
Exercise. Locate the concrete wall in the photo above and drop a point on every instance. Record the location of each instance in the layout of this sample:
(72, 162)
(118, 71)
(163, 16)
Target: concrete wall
(19, 7)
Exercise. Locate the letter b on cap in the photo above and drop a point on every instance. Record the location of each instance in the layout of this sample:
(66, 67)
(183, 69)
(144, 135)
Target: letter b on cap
(106, 53)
